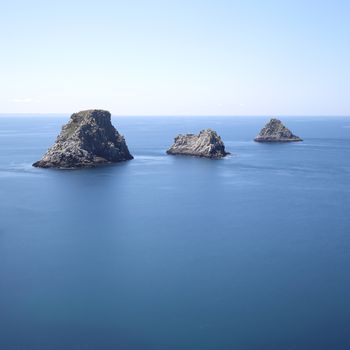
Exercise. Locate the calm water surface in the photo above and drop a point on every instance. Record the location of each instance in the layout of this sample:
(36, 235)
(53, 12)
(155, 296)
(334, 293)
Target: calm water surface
(249, 252)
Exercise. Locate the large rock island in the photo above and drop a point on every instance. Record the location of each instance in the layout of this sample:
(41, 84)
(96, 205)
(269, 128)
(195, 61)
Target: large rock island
(206, 144)
(275, 131)
(87, 140)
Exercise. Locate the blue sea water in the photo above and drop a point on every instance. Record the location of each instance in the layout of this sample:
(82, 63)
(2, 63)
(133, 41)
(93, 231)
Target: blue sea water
(166, 253)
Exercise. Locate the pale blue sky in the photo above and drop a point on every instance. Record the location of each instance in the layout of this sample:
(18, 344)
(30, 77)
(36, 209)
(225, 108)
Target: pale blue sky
(183, 57)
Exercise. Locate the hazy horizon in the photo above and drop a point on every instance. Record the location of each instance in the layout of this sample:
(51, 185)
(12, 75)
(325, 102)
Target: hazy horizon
(267, 116)
(183, 58)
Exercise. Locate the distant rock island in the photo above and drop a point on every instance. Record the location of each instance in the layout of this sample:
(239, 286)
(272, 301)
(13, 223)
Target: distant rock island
(87, 140)
(206, 144)
(275, 131)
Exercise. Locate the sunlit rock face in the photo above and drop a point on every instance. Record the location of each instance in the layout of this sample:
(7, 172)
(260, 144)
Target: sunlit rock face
(87, 140)
(275, 131)
(206, 144)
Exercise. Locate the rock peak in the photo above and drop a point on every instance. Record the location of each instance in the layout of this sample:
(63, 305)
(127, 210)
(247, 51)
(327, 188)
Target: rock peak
(206, 144)
(87, 140)
(275, 120)
(92, 113)
(275, 131)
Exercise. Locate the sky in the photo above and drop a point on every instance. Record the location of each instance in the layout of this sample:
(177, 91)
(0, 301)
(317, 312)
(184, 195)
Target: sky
(181, 57)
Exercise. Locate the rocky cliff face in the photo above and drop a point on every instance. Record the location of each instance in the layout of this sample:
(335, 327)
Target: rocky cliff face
(207, 144)
(87, 140)
(275, 131)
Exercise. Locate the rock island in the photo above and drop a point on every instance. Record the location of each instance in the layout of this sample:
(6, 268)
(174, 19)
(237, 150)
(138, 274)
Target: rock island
(206, 144)
(87, 140)
(275, 131)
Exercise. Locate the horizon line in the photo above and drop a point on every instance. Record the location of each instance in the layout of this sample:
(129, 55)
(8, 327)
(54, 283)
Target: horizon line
(42, 114)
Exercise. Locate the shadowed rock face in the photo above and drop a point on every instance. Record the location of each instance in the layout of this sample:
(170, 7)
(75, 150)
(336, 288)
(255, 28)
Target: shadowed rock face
(87, 140)
(207, 144)
(275, 131)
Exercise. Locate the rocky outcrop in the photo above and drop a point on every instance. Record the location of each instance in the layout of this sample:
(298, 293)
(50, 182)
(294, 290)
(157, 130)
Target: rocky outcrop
(275, 131)
(206, 144)
(87, 140)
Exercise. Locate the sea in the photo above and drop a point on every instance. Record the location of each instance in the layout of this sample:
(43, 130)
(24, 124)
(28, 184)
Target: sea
(249, 252)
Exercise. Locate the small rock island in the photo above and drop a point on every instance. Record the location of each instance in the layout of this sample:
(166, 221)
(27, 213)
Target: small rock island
(206, 144)
(87, 140)
(275, 131)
